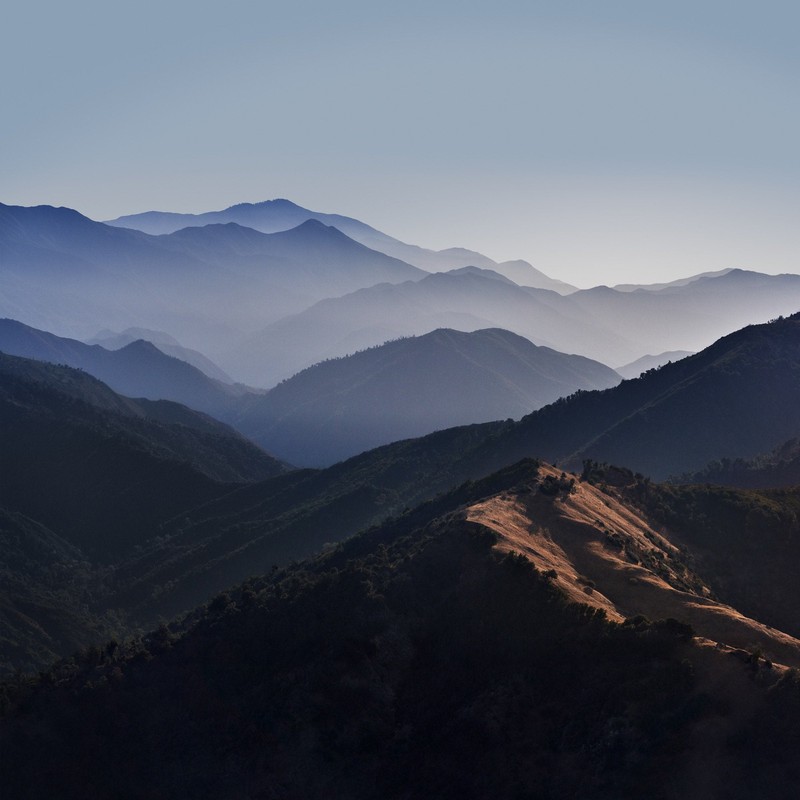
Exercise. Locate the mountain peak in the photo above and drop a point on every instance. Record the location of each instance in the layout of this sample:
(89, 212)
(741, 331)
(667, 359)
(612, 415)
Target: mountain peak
(279, 203)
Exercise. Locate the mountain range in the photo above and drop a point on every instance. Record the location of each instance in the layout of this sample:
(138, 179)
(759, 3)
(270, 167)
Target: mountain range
(138, 369)
(272, 216)
(336, 409)
(263, 306)
(663, 422)
(602, 324)
(167, 344)
(204, 286)
(553, 603)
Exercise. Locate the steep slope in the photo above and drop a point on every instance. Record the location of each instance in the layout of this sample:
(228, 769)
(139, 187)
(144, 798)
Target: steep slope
(102, 470)
(416, 660)
(739, 397)
(272, 216)
(46, 588)
(410, 387)
(602, 551)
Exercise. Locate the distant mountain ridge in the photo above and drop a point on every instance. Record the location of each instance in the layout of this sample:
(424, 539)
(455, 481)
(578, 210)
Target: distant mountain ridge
(636, 368)
(264, 306)
(272, 216)
(206, 286)
(602, 324)
(138, 369)
(167, 344)
(409, 387)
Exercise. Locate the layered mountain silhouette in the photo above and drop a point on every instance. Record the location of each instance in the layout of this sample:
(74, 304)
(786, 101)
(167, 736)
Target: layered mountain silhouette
(138, 369)
(491, 642)
(206, 287)
(272, 216)
(609, 326)
(410, 387)
(736, 399)
(445, 615)
(111, 340)
(636, 368)
(196, 536)
(264, 306)
(466, 299)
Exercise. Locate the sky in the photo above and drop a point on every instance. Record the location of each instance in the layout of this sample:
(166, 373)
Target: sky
(604, 141)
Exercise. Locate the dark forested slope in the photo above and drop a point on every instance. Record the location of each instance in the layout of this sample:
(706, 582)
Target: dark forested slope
(417, 661)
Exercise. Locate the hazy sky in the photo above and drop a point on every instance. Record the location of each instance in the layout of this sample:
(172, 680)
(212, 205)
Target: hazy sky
(602, 140)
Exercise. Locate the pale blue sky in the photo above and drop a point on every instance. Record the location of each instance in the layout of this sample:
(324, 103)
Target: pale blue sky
(602, 140)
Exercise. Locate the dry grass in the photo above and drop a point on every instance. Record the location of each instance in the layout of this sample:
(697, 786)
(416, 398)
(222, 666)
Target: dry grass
(570, 535)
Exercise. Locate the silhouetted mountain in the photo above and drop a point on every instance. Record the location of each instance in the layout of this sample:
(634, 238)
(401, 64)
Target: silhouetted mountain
(165, 343)
(272, 216)
(410, 387)
(690, 316)
(636, 368)
(138, 369)
(65, 272)
(632, 287)
(467, 300)
(431, 657)
(97, 468)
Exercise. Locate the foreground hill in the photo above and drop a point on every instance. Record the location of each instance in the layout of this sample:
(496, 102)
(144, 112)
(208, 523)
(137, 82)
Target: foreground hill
(87, 477)
(423, 659)
(293, 516)
(737, 398)
(410, 387)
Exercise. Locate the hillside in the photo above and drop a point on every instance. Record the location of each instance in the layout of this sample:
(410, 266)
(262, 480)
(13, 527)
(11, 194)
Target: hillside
(663, 422)
(410, 387)
(424, 659)
(100, 469)
(640, 365)
(780, 467)
(737, 398)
